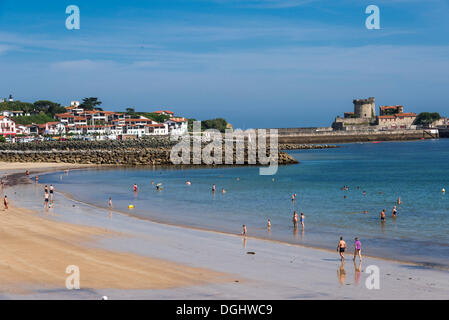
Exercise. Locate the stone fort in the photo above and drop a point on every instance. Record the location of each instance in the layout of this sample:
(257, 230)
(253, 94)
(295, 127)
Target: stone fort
(364, 117)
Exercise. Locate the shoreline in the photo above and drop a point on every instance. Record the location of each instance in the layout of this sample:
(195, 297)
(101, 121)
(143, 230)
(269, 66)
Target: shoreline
(71, 197)
(276, 270)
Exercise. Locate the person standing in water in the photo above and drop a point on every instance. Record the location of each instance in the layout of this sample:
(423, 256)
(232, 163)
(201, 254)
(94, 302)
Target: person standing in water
(46, 200)
(51, 192)
(135, 187)
(244, 230)
(394, 212)
(269, 224)
(213, 188)
(357, 249)
(399, 201)
(295, 220)
(110, 203)
(382, 216)
(301, 219)
(341, 248)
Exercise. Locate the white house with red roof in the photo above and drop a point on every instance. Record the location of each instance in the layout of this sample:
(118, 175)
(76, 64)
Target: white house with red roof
(7, 127)
(177, 126)
(165, 113)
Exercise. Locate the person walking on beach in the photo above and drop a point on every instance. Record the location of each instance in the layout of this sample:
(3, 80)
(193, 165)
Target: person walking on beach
(382, 216)
(301, 219)
(357, 249)
(244, 230)
(5, 202)
(394, 213)
(341, 248)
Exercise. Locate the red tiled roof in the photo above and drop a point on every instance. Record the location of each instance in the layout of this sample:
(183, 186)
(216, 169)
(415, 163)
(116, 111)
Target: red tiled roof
(64, 115)
(386, 117)
(160, 125)
(408, 114)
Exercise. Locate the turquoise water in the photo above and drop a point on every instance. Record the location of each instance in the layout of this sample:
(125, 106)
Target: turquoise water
(415, 171)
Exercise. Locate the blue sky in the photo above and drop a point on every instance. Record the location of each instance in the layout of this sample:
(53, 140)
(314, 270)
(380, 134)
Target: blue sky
(258, 63)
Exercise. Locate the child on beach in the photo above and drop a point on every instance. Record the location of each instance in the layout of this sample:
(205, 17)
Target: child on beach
(357, 249)
(341, 248)
(5, 202)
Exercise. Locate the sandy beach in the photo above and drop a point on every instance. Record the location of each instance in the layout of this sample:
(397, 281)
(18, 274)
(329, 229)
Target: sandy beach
(128, 258)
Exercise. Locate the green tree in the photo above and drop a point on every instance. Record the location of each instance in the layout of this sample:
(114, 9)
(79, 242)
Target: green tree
(48, 107)
(2, 139)
(218, 123)
(90, 103)
(426, 118)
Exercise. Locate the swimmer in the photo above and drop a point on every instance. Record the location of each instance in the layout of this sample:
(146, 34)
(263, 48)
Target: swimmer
(399, 201)
(213, 188)
(341, 248)
(293, 197)
(301, 219)
(36, 178)
(394, 212)
(344, 197)
(443, 190)
(244, 230)
(135, 187)
(188, 183)
(238, 179)
(223, 191)
(357, 249)
(364, 193)
(27, 173)
(110, 203)
(382, 216)
(5, 202)
(152, 183)
(365, 211)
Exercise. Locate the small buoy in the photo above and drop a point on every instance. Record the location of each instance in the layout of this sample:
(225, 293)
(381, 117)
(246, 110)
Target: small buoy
(130, 206)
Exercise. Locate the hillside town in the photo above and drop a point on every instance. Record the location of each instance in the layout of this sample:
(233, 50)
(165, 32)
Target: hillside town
(79, 123)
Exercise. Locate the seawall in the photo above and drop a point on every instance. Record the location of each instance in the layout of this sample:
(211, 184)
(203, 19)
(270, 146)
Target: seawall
(311, 135)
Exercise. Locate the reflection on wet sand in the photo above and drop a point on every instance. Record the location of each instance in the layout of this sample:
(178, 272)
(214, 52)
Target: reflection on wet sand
(341, 273)
(244, 242)
(357, 272)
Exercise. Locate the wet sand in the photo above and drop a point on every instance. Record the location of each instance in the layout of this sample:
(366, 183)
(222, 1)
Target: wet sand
(36, 252)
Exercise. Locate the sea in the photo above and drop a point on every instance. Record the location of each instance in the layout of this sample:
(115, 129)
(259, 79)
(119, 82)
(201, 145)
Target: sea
(377, 174)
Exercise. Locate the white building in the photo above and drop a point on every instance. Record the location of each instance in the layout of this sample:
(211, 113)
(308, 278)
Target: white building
(158, 129)
(7, 127)
(12, 114)
(177, 126)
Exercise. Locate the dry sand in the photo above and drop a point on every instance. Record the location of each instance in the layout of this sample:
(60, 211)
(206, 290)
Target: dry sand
(35, 252)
